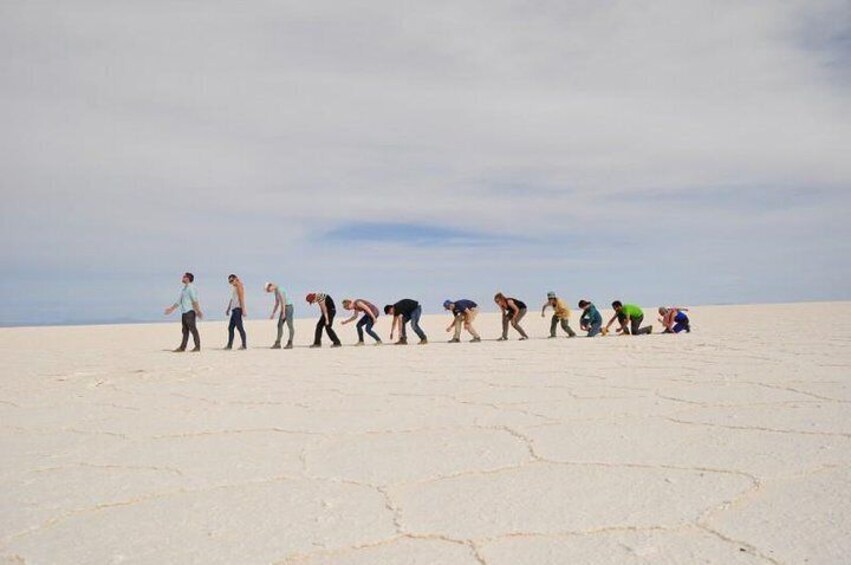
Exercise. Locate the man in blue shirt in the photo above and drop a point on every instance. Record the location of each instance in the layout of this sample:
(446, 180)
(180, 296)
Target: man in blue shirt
(464, 312)
(591, 320)
(190, 309)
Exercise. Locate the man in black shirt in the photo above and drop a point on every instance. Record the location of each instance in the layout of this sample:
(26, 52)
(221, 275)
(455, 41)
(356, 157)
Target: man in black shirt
(404, 311)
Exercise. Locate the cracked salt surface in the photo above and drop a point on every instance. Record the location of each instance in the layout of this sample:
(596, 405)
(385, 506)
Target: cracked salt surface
(729, 445)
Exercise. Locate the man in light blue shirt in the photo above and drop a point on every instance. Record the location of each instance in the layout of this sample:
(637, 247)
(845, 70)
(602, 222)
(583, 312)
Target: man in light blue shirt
(190, 309)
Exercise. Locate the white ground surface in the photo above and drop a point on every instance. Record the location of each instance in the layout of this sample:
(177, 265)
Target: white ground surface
(729, 445)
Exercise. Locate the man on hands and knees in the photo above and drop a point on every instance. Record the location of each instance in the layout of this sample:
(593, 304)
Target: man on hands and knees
(190, 309)
(630, 317)
(675, 319)
(404, 311)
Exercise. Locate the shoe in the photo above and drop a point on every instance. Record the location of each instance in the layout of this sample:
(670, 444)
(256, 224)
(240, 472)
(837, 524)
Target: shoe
(359, 344)
(289, 345)
(379, 342)
(242, 348)
(454, 340)
(551, 337)
(227, 347)
(604, 331)
(316, 345)
(276, 346)
(333, 345)
(402, 341)
(476, 340)
(503, 339)
(650, 330)
(178, 350)
(524, 338)
(423, 342)
(196, 349)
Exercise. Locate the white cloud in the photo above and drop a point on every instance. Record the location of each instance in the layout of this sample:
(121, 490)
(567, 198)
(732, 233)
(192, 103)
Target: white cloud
(142, 136)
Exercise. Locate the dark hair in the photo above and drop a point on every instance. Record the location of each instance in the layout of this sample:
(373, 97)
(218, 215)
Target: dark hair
(387, 309)
(617, 304)
(231, 276)
(583, 303)
(189, 276)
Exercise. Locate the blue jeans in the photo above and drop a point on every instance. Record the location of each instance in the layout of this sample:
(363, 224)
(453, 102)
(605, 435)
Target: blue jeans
(366, 323)
(236, 322)
(594, 329)
(415, 324)
(682, 323)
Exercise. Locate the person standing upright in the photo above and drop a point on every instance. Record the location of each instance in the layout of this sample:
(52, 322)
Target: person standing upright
(561, 313)
(190, 309)
(326, 319)
(237, 311)
(282, 301)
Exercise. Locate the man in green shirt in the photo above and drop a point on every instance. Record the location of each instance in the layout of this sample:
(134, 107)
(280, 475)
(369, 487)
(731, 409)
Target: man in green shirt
(630, 317)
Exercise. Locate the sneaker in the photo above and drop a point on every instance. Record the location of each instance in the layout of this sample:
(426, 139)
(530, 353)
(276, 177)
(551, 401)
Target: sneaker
(476, 340)
(196, 349)
(423, 342)
(454, 340)
(402, 341)
(333, 345)
(276, 346)
(503, 339)
(289, 345)
(359, 344)
(524, 338)
(315, 345)
(178, 350)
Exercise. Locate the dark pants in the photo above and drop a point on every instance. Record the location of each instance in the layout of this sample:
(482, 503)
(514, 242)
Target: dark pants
(635, 326)
(564, 325)
(366, 323)
(286, 317)
(187, 322)
(236, 322)
(415, 324)
(320, 325)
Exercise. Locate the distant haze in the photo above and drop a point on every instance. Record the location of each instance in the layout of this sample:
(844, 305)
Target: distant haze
(658, 152)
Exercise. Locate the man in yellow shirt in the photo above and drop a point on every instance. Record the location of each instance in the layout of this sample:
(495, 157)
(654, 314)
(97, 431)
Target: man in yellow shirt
(560, 314)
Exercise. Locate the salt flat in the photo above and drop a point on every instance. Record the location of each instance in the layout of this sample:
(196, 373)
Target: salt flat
(728, 445)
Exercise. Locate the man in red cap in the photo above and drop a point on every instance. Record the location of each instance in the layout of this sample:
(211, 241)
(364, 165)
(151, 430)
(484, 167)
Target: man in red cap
(326, 320)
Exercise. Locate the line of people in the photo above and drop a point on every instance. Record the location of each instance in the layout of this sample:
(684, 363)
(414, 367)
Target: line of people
(408, 311)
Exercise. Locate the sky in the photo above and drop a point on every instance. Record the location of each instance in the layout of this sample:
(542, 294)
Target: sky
(658, 152)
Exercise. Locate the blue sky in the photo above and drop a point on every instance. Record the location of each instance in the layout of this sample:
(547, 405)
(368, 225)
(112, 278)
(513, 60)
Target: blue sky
(692, 152)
